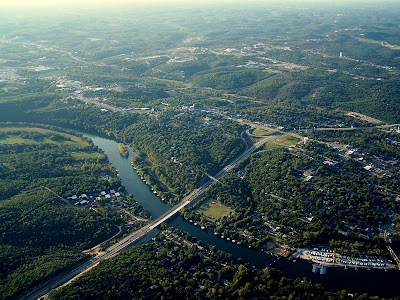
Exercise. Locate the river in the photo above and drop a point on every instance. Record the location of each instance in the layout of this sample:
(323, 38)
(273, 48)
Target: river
(374, 282)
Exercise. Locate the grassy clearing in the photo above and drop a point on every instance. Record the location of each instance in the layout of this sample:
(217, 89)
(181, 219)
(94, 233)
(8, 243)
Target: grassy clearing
(271, 145)
(215, 210)
(13, 139)
(262, 131)
(287, 140)
(370, 41)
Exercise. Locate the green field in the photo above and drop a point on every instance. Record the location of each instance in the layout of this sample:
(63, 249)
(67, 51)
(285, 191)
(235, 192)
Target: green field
(215, 210)
(262, 131)
(271, 145)
(287, 140)
(11, 138)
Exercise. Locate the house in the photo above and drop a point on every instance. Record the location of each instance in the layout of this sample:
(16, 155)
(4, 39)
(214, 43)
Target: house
(308, 178)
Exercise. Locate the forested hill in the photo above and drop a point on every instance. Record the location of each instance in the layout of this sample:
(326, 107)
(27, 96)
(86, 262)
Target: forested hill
(43, 233)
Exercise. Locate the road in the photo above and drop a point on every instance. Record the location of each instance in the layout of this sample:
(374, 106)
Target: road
(392, 253)
(294, 134)
(137, 235)
(98, 102)
(351, 128)
(128, 241)
(385, 233)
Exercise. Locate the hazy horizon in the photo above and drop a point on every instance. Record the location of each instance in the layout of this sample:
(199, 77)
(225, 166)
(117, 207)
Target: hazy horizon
(50, 3)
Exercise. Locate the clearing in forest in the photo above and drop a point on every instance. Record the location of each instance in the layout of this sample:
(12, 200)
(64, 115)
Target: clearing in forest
(215, 210)
(262, 131)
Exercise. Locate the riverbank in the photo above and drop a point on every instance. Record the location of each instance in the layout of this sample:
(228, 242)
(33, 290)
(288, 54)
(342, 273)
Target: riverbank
(362, 280)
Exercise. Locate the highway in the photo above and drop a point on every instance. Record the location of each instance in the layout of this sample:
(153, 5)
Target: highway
(129, 240)
(351, 128)
(385, 233)
(294, 134)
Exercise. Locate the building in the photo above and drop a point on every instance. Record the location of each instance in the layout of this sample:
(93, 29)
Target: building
(320, 269)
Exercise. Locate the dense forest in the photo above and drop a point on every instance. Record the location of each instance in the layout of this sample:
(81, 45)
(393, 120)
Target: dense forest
(179, 149)
(174, 265)
(174, 149)
(271, 190)
(182, 85)
(43, 233)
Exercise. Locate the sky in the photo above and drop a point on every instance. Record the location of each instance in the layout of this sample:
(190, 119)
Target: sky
(22, 3)
(96, 2)
(59, 3)
(47, 6)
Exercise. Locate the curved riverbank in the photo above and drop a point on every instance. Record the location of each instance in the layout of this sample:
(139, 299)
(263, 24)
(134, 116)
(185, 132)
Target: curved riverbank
(374, 282)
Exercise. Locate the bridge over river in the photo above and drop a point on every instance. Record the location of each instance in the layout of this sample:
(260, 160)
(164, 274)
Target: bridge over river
(129, 240)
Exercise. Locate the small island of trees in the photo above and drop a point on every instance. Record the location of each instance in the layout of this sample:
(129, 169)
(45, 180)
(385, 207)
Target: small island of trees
(123, 149)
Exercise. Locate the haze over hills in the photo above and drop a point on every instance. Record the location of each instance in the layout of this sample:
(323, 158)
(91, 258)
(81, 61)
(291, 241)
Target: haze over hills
(283, 118)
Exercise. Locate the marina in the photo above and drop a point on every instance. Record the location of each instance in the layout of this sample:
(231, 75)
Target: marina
(359, 280)
(327, 257)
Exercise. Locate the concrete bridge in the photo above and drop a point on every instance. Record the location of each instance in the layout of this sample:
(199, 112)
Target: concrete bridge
(128, 241)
